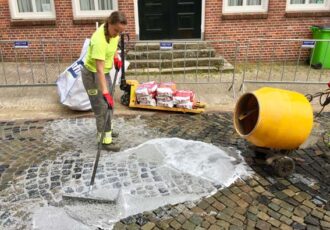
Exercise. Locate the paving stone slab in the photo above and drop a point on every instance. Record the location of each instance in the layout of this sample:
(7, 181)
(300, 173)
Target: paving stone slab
(262, 225)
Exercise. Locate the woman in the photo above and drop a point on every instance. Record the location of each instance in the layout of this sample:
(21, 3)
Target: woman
(101, 55)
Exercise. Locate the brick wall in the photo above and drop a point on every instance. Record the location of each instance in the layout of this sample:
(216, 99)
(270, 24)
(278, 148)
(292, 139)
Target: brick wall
(64, 27)
(278, 24)
(68, 34)
(275, 24)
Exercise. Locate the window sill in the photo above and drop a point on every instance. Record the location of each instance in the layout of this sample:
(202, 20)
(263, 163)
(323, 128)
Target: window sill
(32, 22)
(240, 16)
(299, 14)
(84, 21)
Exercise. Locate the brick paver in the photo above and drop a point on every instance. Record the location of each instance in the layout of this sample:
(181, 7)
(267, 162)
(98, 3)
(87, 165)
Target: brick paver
(29, 163)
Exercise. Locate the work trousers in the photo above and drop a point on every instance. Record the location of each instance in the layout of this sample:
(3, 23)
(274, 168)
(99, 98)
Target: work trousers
(99, 105)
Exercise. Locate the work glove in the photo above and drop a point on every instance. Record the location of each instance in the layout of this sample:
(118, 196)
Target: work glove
(118, 63)
(108, 98)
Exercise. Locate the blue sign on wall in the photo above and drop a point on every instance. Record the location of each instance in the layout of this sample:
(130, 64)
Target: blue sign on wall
(21, 44)
(308, 44)
(166, 45)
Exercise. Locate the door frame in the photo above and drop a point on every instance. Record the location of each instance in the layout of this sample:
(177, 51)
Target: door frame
(137, 27)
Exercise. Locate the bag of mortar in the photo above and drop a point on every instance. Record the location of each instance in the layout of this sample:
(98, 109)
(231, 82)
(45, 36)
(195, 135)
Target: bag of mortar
(146, 92)
(147, 101)
(166, 89)
(168, 104)
(184, 96)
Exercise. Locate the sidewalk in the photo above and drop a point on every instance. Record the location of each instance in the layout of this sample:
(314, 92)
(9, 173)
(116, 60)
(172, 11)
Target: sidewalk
(43, 103)
(29, 103)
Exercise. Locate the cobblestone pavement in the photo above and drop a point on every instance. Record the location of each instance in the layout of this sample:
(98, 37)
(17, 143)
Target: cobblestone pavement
(41, 159)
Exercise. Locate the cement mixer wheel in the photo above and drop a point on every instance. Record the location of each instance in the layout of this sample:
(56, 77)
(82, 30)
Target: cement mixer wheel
(283, 166)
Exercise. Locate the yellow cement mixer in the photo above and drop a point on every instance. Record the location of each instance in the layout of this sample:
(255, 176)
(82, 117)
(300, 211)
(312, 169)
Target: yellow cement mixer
(275, 122)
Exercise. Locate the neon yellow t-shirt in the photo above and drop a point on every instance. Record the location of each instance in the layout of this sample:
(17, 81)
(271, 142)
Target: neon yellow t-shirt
(100, 49)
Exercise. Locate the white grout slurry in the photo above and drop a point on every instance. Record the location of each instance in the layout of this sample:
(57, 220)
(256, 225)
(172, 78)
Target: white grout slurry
(155, 173)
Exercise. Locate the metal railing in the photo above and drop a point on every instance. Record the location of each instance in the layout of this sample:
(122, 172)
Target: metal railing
(39, 62)
(215, 62)
(284, 61)
(35, 62)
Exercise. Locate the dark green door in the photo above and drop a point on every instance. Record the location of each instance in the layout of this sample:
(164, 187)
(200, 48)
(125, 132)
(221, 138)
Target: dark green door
(169, 19)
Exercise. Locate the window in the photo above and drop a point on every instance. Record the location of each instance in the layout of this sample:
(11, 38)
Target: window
(93, 8)
(32, 9)
(245, 6)
(308, 5)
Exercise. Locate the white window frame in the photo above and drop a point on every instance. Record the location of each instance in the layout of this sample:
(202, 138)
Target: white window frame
(307, 7)
(16, 15)
(226, 9)
(79, 14)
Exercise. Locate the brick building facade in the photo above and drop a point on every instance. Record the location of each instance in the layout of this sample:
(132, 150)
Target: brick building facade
(217, 20)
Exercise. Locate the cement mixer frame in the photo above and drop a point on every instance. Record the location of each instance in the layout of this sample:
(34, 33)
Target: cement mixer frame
(279, 160)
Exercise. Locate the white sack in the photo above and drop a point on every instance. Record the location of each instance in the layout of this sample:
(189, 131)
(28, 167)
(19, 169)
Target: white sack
(70, 86)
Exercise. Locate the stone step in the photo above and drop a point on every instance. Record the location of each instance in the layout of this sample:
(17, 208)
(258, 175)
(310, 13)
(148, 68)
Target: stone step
(176, 63)
(179, 45)
(170, 54)
(226, 67)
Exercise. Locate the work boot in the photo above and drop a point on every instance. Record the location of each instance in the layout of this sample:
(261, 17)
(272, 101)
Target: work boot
(107, 143)
(111, 147)
(113, 134)
(107, 139)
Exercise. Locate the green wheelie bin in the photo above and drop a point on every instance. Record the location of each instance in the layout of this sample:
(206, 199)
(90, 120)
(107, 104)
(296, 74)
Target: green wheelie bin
(321, 53)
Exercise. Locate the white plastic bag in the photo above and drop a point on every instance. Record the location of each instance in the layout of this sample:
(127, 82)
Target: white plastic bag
(70, 86)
